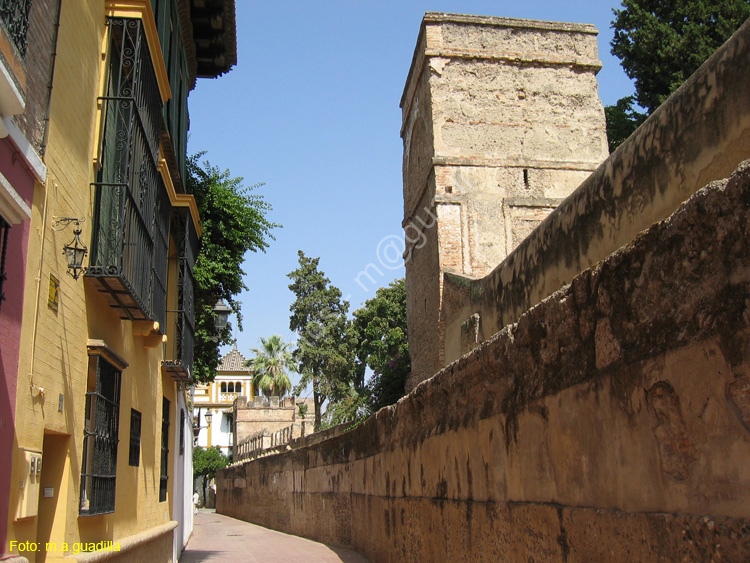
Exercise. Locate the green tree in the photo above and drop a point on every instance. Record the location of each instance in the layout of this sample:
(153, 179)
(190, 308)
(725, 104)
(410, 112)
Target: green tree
(382, 345)
(206, 462)
(622, 121)
(349, 405)
(660, 44)
(324, 348)
(271, 363)
(234, 220)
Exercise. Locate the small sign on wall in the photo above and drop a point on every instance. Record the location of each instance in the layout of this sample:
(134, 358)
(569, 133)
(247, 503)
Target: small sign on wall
(54, 293)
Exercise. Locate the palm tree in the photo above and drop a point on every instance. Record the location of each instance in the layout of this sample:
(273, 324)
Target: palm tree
(271, 363)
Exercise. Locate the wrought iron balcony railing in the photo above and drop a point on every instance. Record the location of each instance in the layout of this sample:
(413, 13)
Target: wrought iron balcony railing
(14, 15)
(130, 233)
(179, 364)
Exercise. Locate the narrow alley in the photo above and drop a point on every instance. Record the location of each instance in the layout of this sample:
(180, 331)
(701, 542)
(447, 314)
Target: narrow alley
(221, 538)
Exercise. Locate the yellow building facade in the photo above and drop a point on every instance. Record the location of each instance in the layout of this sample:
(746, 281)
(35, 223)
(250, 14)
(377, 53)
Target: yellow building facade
(102, 419)
(214, 402)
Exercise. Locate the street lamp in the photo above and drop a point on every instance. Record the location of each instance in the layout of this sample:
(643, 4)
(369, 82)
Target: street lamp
(197, 424)
(75, 251)
(221, 316)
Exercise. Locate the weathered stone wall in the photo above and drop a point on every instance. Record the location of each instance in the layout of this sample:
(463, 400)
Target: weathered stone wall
(501, 121)
(272, 415)
(610, 423)
(699, 134)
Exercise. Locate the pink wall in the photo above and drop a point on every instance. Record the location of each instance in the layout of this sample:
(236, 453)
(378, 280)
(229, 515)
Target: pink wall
(13, 167)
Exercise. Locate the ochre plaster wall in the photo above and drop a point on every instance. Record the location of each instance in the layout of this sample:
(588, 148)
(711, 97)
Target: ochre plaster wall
(54, 355)
(610, 423)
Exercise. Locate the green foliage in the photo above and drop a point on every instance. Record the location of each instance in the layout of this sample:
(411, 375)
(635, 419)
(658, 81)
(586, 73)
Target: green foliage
(382, 345)
(350, 405)
(622, 121)
(324, 353)
(270, 364)
(234, 221)
(387, 386)
(207, 461)
(302, 409)
(660, 44)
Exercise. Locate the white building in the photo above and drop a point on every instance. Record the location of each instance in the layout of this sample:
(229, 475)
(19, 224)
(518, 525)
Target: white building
(182, 499)
(213, 402)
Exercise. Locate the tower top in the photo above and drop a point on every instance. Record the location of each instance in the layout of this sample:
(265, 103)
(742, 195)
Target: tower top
(443, 34)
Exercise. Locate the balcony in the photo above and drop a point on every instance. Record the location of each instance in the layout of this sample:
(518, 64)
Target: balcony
(14, 17)
(179, 364)
(130, 238)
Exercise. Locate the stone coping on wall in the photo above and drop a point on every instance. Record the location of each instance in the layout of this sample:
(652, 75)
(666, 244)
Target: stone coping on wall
(611, 422)
(698, 135)
(686, 279)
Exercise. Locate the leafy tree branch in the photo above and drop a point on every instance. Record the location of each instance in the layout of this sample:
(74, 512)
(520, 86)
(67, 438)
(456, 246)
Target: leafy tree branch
(234, 221)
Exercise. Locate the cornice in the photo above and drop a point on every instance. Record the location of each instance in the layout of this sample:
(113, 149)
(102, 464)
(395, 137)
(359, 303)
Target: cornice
(180, 200)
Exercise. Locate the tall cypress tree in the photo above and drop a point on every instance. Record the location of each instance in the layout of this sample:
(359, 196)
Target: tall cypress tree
(324, 353)
(661, 43)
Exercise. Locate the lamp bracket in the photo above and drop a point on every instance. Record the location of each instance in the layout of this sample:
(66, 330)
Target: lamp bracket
(61, 223)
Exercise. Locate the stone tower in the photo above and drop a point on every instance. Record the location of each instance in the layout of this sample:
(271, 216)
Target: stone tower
(501, 120)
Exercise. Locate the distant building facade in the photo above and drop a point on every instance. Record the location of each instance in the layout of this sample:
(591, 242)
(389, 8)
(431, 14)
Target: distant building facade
(214, 401)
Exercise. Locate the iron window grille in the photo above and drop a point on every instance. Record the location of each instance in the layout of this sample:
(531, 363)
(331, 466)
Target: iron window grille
(100, 438)
(14, 15)
(128, 262)
(135, 438)
(4, 232)
(164, 451)
(182, 431)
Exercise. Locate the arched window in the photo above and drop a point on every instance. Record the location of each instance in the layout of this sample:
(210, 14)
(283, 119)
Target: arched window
(223, 386)
(231, 387)
(238, 387)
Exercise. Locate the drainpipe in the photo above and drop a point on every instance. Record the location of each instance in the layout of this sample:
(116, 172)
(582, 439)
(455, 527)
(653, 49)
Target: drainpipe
(53, 58)
(50, 184)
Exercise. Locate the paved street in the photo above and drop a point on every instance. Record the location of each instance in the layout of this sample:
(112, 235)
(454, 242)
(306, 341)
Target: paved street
(220, 538)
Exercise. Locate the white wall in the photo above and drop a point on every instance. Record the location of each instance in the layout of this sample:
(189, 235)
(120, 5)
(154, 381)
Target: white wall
(182, 473)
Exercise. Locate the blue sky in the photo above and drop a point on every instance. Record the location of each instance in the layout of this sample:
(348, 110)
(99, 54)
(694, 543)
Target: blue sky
(312, 110)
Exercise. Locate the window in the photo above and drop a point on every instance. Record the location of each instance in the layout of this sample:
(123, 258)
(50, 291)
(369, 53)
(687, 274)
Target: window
(164, 450)
(130, 233)
(230, 388)
(238, 387)
(15, 15)
(100, 437)
(4, 230)
(135, 438)
(182, 431)
(223, 387)
(180, 358)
